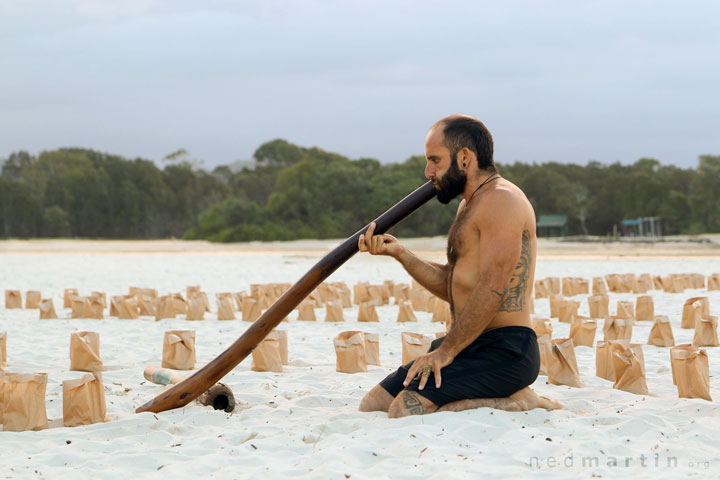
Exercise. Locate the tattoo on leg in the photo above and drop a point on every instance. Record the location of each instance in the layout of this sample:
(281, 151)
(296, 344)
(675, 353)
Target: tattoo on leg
(513, 297)
(412, 403)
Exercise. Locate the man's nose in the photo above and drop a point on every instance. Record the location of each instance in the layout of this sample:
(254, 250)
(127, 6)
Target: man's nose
(429, 172)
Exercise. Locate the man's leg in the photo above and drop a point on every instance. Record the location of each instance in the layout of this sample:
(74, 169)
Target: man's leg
(523, 399)
(409, 402)
(376, 400)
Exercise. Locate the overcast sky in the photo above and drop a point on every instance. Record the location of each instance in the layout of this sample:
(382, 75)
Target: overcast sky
(568, 81)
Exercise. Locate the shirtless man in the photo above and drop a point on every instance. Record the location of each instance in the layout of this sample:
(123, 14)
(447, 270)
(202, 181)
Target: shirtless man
(490, 354)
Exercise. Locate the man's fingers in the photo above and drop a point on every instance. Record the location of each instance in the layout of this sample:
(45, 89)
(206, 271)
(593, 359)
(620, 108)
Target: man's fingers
(411, 374)
(438, 377)
(361, 244)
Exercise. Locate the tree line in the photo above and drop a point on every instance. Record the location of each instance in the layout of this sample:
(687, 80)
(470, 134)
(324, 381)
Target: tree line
(297, 192)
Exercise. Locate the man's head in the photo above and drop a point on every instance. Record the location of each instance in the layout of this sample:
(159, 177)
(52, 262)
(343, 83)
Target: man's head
(456, 146)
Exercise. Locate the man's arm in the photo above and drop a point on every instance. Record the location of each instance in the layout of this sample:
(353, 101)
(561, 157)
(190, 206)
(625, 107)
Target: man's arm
(433, 276)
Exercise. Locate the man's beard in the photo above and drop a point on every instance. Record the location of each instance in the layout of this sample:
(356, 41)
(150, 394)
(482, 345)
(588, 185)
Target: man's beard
(452, 183)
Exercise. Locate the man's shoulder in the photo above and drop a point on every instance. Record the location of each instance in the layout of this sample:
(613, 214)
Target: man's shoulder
(503, 203)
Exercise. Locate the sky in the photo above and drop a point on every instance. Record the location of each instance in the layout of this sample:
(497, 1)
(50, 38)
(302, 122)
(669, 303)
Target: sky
(566, 81)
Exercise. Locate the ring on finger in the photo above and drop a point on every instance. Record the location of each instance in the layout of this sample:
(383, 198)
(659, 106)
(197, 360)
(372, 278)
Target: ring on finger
(426, 371)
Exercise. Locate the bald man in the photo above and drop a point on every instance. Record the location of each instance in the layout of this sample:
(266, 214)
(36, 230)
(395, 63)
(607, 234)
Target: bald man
(490, 354)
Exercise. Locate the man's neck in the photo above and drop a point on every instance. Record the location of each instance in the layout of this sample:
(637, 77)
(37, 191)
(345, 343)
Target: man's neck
(472, 184)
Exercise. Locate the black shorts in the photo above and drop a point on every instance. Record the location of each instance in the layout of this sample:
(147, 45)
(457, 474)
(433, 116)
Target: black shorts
(497, 364)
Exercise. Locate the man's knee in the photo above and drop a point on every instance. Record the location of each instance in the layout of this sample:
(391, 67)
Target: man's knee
(410, 403)
(376, 400)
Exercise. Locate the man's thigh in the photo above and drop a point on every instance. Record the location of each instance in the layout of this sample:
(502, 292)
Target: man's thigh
(409, 402)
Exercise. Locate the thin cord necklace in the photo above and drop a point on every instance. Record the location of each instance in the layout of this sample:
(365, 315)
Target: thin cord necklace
(487, 180)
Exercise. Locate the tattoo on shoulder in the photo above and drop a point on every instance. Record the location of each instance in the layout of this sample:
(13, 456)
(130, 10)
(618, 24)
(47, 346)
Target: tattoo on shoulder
(513, 297)
(412, 403)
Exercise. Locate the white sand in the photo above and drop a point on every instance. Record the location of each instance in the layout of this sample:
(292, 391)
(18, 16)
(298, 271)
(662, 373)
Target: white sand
(304, 421)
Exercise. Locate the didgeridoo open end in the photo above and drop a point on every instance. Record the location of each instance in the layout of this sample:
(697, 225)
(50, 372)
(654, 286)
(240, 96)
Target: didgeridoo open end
(219, 396)
(198, 383)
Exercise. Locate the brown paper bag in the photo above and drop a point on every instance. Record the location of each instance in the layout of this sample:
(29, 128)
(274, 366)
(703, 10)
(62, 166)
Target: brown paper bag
(306, 312)
(334, 311)
(87, 307)
(47, 309)
(542, 326)
(544, 344)
(179, 350)
(360, 294)
(420, 300)
(147, 305)
(77, 304)
(225, 308)
(179, 305)
(367, 313)
(84, 401)
(406, 313)
(250, 309)
(376, 294)
(673, 284)
(599, 306)
(568, 310)
(350, 352)
(603, 357)
(282, 336)
(13, 299)
(164, 308)
(441, 312)
(554, 285)
(266, 357)
(569, 287)
(192, 290)
(372, 348)
(617, 328)
(32, 299)
(101, 297)
(561, 364)
(542, 290)
(582, 331)
(401, 293)
(673, 362)
(713, 282)
(661, 334)
(85, 352)
(148, 292)
(128, 309)
(644, 283)
(555, 302)
(629, 370)
(706, 332)
(196, 309)
(691, 371)
(645, 308)
(3, 353)
(691, 312)
(414, 345)
(598, 286)
(238, 297)
(23, 403)
(697, 280)
(625, 309)
(68, 294)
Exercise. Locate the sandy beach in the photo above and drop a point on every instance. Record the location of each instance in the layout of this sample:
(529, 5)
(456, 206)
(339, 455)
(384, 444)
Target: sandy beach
(304, 422)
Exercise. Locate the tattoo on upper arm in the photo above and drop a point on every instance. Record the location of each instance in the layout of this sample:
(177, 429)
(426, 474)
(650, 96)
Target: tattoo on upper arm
(412, 403)
(513, 297)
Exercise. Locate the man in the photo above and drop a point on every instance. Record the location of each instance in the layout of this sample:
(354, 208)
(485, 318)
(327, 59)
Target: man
(490, 353)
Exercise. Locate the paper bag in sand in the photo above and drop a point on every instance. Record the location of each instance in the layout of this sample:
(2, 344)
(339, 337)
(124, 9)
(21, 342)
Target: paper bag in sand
(414, 345)
(84, 401)
(406, 313)
(555, 302)
(85, 352)
(13, 299)
(401, 292)
(372, 348)
(127, 309)
(692, 312)
(179, 350)
(266, 357)
(238, 297)
(598, 286)
(561, 364)
(196, 309)
(629, 370)
(645, 283)
(47, 309)
(691, 372)
(582, 331)
(625, 309)
(541, 289)
(599, 306)
(706, 332)
(367, 313)
(334, 311)
(542, 326)
(282, 336)
(569, 287)
(441, 312)
(306, 312)
(68, 294)
(251, 310)
(164, 308)
(697, 280)
(645, 309)
(350, 352)
(32, 299)
(673, 362)
(23, 405)
(603, 357)
(3, 351)
(376, 294)
(568, 310)
(543, 345)
(661, 334)
(420, 300)
(713, 282)
(617, 328)
(225, 308)
(360, 294)
(148, 292)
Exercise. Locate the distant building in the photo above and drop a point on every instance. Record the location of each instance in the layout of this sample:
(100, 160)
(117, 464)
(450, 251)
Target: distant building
(642, 227)
(552, 226)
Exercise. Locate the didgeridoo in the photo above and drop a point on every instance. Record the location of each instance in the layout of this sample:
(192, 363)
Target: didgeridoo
(219, 396)
(193, 386)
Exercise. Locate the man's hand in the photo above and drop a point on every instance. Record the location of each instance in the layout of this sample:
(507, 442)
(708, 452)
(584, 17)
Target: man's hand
(436, 360)
(379, 244)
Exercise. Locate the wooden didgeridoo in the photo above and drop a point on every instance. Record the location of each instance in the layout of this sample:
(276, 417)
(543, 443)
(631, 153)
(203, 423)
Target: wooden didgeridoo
(195, 385)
